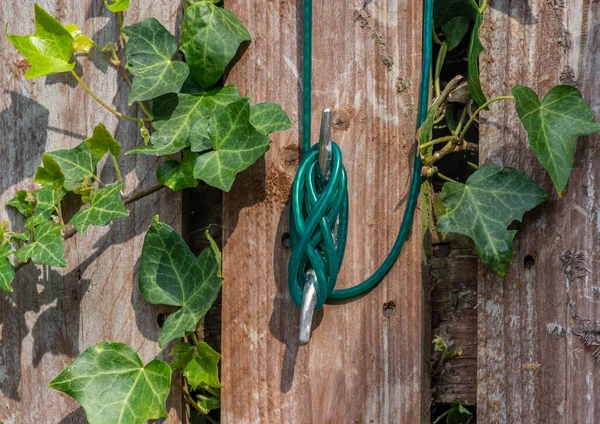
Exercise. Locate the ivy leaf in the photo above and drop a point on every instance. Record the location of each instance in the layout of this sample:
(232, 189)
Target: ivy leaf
(455, 30)
(203, 368)
(117, 5)
(475, 49)
(7, 271)
(47, 247)
(177, 118)
(76, 164)
(113, 386)
(215, 248)
(170, 274)
(150, 51)
(24, 202)
(211, 36)
(424, 133)
(178, 175)
(482, 209)
(269, 117)
(106, 205)
(49, 174)
(47, 200)
(459, 414)
(81, 42)
(182, 354)
(102, 142)
(49, 50)
(208, 403)
(236, 143)
(553, 126)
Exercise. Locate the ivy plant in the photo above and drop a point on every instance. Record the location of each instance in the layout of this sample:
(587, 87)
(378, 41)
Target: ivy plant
(493, 197)
(204, 131)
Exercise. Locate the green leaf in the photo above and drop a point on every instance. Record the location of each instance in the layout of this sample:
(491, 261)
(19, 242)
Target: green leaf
(208, 403)
(49, 174)
(170, 274)
(24, 202)
(203, 368)
(113, 386)
(182, 354)
(178, 175)
(47, 247)
(475, 49)
(553, 126)
(439, 344)
(49, 50)
(455, 30)
(424, 133)
(178, 120)
(236, 143)
(7, 271)
(459, 414)
(215, 248)
(81, 43)
(102, 142)
(117, 5)
(106, 205)
(150, 51)
(47, 199)
(482, 209)
(77, 164)
(269, 117)
(211, 36)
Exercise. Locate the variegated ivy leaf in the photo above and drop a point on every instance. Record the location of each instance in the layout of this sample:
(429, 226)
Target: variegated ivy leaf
(106, 205)
(49, 174)
(553, 126)
(102, 142)
(76, 164)
(170, 274)
(24, 202)
(150, 51)
(178, 175)
(81, 43)
(47, 247)
(47, 200)
(236, 143)
(179, 118)
(113, 385)
(199, 364)
(7, 270)
(269, 117)
(117, 5)
(492, 198)
(211, 36)
(49, 50)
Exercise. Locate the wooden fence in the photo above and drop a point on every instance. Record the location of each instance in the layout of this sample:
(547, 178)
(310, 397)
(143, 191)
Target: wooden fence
(368, 360)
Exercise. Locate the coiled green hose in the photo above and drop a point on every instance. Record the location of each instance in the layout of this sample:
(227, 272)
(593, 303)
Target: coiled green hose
(319, 211)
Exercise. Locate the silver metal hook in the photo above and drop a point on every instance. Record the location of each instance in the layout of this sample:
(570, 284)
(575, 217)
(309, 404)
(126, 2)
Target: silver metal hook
(309, 294)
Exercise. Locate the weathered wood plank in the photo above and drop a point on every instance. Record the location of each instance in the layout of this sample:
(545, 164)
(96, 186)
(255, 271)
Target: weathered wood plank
(54, 315)
(366, 361)
(525, 374)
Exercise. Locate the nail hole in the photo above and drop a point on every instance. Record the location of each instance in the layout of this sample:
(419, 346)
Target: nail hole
(285, 240)
(160, 320)
(529, 262)
(388, 308)
(441, 250)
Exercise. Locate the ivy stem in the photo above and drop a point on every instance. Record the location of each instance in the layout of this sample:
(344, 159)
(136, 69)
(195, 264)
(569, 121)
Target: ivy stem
(192, 402)
(438, 68)
(117, 169)
(438, 141)
(120, 18)
(478, 111)
(443, 177)
(462, 119)
(436, 39)
(104, 105)
(483, 6)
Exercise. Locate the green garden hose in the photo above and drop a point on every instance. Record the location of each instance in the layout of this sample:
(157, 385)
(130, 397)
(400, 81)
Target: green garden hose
(319, 210)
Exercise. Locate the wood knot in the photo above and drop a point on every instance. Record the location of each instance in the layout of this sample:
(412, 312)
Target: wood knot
(341, 120)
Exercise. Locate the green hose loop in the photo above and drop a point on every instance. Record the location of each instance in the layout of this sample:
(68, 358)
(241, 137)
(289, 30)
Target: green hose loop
(319, 215)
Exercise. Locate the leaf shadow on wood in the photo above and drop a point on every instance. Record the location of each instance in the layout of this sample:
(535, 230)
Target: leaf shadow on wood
(517, 9)
(75, 417)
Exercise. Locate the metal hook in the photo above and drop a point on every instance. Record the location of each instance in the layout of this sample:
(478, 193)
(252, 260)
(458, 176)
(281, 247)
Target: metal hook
(309, 295)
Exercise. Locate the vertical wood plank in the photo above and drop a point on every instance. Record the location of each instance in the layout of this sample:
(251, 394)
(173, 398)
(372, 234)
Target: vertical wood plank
(526, 374)
(366, 360)
(54, 315)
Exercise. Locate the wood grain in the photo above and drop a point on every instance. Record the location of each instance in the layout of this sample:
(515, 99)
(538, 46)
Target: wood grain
(525, 374)
(54, 315)
(366, 360)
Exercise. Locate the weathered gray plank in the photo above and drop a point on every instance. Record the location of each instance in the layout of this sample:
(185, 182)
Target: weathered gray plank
(53, 315)
(525, 374)
(366, 361)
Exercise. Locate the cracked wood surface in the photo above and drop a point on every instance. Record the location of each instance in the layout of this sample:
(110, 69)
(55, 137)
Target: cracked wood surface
(525, 374)
(54, 315)
(362, 365)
